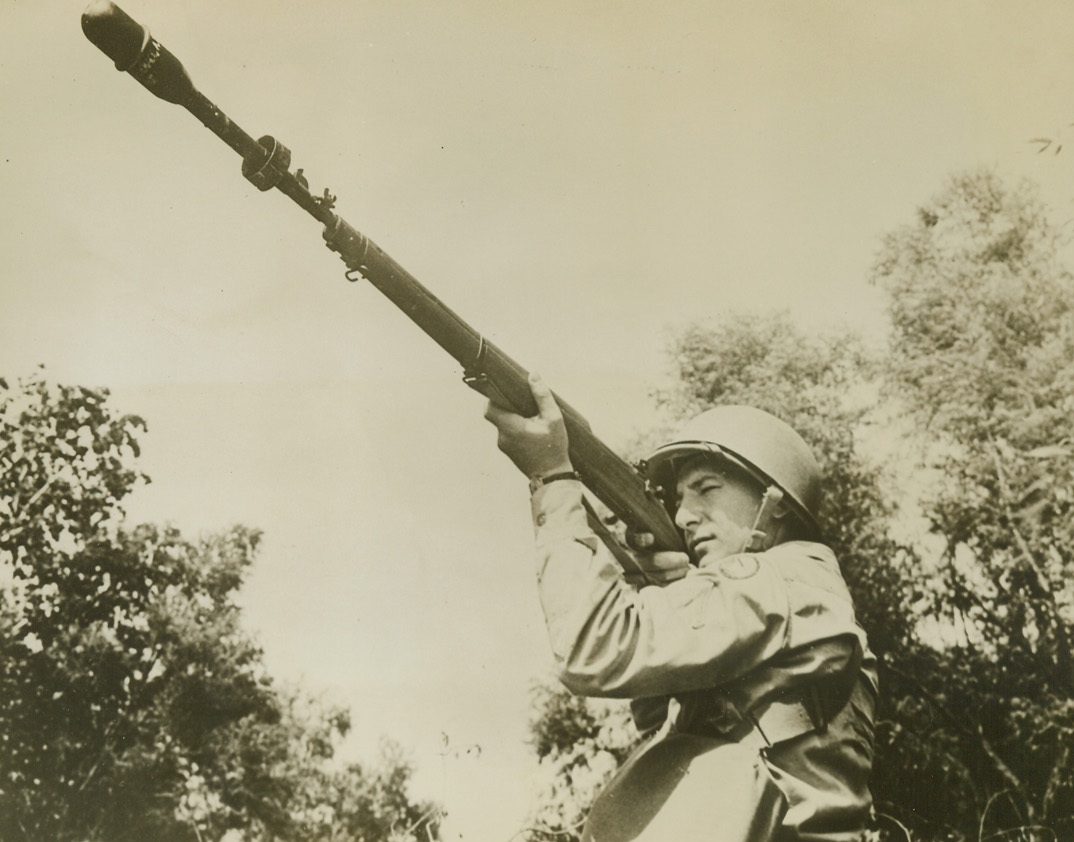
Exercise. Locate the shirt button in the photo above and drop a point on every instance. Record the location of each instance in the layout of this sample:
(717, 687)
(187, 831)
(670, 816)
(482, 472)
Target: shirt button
(541, 518)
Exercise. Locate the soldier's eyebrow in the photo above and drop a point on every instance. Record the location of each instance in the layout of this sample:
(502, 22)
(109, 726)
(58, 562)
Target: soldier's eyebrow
(708, 473)
(699, 474)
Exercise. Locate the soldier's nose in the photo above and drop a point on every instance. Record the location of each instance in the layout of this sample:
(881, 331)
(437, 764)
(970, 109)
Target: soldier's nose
(685, 517)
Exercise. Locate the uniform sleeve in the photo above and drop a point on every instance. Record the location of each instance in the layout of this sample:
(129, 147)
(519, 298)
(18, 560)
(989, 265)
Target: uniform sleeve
(609, 639)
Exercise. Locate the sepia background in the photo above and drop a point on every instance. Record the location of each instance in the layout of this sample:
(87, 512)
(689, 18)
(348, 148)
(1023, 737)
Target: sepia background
(574, 179)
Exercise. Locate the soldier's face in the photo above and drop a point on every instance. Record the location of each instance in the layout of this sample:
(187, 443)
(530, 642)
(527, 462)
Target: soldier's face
(717, 505)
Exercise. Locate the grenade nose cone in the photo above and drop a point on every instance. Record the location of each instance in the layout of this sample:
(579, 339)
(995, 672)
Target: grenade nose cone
(114, 32)
(97, 9)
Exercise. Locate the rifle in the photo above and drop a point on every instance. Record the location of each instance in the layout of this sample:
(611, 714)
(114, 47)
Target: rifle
(266, 164)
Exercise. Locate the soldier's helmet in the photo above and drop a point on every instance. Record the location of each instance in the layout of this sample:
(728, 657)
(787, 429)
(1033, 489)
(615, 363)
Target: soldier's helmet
(768, 448)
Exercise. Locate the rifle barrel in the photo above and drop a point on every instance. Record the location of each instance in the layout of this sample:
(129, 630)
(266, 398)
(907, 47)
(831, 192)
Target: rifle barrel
(266, 164)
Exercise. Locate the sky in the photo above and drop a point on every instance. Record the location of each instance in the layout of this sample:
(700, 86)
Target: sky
(579, 181)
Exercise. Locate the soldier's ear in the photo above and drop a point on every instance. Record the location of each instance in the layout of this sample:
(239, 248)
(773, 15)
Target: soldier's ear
(787, 525)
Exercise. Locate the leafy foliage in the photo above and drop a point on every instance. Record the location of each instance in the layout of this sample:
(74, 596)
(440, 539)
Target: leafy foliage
(132, 703)
(579, 742)
(983, 358)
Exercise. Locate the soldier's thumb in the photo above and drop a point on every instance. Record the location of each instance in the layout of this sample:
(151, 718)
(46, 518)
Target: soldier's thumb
(542, 395)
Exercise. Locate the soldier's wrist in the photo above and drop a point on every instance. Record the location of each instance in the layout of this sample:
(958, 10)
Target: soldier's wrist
(543, 478)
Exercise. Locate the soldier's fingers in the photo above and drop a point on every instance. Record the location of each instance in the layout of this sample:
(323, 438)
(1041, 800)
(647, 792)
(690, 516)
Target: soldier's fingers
(640, 540)
(542, 395)
(667, 567)
(666, 577)
(669, 560)
(501, 417)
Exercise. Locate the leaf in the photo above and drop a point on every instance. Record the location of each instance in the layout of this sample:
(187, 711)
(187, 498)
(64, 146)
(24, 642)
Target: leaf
(1033, 491)
(1048, 451)
(1033, 511)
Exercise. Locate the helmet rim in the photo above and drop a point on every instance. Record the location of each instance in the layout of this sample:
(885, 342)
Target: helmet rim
(790, 464)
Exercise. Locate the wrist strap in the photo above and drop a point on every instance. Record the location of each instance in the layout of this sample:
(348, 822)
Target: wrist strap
(537, 482)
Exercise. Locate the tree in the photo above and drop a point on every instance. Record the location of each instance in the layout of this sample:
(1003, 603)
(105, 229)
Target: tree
(579, 743)
(982, 357)
(132, 703)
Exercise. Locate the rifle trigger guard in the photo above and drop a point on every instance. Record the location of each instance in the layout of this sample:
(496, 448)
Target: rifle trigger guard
(353, 275)
(475, 380)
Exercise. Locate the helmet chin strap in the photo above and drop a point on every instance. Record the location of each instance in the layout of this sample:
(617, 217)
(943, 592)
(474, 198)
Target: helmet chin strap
(758, 538)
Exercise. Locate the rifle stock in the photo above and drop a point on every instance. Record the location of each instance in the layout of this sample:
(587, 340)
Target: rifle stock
(266, 164)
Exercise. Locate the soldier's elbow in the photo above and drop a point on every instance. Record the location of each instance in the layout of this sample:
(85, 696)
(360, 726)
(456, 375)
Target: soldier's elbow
(589, 677)
(577, 682)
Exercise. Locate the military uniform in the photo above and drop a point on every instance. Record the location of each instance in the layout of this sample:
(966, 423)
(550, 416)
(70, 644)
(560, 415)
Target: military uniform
(750, 676)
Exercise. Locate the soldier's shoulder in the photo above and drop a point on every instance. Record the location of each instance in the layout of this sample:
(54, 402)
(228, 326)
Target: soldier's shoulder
(809, 564)
(803, 551)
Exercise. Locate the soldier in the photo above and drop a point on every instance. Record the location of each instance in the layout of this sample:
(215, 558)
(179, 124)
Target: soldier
(747, 671)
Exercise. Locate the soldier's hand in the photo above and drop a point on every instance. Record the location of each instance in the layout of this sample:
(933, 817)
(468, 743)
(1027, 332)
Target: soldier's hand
(657, 568)
(537, 445)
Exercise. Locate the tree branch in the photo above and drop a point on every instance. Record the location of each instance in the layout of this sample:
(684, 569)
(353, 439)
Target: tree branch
(1039, 584)
(958, 723)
